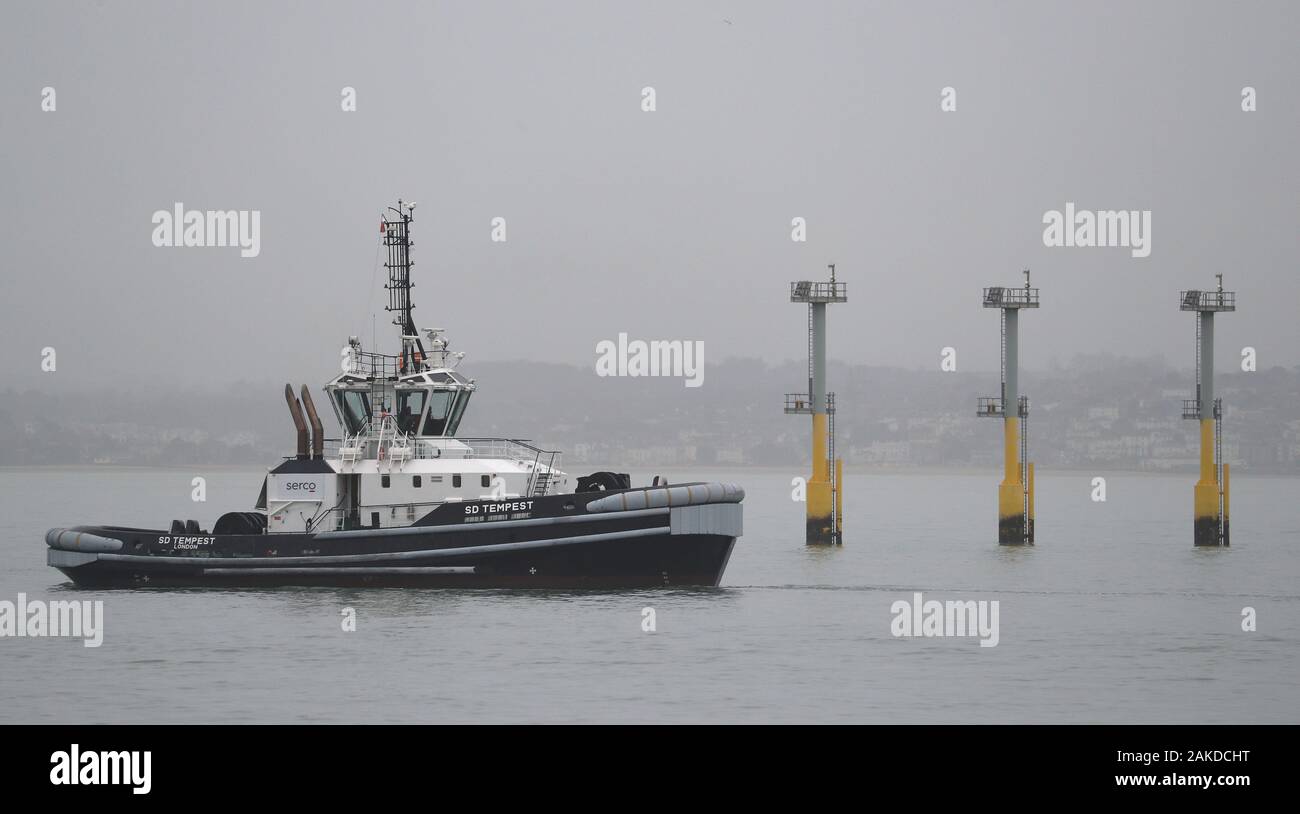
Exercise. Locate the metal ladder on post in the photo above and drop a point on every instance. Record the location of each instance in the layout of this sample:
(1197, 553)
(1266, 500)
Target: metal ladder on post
(1197, 364)
(1002, 361)
(1024, 468)
(830, 462)
(830, 431)
(810, 350)
(1218, 459)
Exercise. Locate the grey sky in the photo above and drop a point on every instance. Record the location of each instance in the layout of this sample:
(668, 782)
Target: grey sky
(673, 224)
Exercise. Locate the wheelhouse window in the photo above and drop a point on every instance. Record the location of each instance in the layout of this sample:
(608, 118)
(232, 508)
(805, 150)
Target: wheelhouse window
(453, 423)
(440, 402)
(354, 406)
(410, 406)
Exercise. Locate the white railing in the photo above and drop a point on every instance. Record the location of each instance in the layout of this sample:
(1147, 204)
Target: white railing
(383, 441)
(542, 464)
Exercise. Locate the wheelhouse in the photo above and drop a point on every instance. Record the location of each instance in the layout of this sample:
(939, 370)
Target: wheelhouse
(424, 401)
(428, 405)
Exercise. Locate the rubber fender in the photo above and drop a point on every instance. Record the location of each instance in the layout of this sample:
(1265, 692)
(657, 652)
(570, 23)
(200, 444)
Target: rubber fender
(69, 540)
(657, 497)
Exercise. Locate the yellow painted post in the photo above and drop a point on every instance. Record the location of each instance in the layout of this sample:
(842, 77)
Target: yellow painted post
(1206, 492)
(1011, 492)
(820, 502)
(821, 495)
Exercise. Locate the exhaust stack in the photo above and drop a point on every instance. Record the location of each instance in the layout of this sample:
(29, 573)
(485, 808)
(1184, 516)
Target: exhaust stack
(295, 409)
(317, 430)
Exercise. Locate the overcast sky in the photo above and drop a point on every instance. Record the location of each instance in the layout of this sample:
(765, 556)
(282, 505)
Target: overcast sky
(672, 224)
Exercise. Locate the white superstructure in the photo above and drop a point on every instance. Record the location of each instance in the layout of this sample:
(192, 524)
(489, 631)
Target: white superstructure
(398, 457)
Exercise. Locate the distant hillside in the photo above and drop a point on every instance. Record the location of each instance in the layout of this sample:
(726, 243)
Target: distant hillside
(1093, 411)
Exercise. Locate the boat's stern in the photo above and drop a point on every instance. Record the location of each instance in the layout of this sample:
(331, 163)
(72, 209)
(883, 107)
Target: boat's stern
(74, 551)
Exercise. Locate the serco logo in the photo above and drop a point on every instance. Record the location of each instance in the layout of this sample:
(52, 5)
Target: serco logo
(300, 486)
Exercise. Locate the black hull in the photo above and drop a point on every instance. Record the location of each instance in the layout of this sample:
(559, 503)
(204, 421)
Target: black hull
(556, 543)
(642, 562)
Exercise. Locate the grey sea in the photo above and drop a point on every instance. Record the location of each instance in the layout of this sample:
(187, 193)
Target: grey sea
(1112, 617)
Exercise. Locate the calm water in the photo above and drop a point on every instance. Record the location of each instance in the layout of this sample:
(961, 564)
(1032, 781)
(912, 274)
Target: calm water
(1113, 616)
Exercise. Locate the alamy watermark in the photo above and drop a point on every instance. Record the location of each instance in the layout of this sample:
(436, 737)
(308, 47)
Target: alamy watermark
(638, 357)
(932, 618)
(211, 228)
(39, 618)
(98, 768)
(1130, 229)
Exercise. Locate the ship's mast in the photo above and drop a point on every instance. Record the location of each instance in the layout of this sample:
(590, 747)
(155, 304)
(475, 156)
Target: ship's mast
(396, 231)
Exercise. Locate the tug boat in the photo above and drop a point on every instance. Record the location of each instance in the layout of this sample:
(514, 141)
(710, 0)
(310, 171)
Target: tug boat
(399, 500)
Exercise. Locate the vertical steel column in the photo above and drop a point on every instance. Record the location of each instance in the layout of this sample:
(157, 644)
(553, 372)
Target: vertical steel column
(1206, 491)
(821, 509)
(1011, 492)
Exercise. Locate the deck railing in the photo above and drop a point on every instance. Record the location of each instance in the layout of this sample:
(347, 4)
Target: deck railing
(1007, 297)
(1194, 300)
(541, 463)
(992, 407)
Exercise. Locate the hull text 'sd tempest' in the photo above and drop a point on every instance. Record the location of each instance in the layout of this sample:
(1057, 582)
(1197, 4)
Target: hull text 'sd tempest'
(400, 500)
